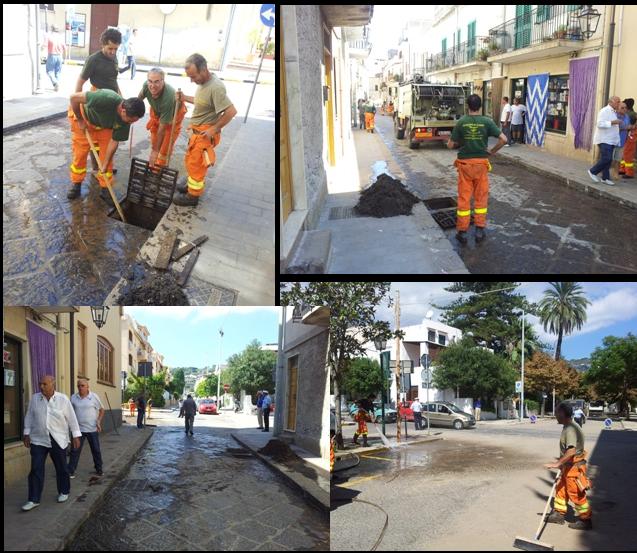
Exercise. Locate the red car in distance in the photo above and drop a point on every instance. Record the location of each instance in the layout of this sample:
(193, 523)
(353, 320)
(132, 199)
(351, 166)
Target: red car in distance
(207, 406)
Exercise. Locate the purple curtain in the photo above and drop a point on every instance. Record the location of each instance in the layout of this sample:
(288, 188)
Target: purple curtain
(583, 81)
(42, 353)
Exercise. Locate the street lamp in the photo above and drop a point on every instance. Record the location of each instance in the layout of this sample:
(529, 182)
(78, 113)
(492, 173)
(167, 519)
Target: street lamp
(588, 19)
(381, 344)
(99, 315)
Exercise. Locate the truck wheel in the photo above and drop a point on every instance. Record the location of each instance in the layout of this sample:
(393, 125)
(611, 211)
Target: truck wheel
(413, 145)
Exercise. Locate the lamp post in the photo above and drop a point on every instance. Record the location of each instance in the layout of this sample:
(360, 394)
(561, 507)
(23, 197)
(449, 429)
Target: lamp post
(588, 19)
(381, 344)
(219, 368)
(99, 315)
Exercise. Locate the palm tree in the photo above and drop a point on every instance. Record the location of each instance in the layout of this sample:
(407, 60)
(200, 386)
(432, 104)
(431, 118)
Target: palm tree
(562, 310)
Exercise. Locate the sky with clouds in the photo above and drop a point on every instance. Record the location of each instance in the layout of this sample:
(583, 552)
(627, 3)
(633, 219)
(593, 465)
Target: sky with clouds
(613, 310)
(189, 336)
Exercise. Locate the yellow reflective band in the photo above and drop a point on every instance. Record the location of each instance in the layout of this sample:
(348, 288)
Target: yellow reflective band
(76, 170)
(481, 210)
(628, 164)
(559, 501)
(194, 184)
(464, 213)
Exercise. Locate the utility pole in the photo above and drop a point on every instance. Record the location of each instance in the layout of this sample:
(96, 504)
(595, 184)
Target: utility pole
(219, 369)
(397, 369)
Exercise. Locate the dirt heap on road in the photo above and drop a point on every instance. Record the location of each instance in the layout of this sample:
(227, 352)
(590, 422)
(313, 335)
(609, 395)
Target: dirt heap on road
(387, 197)
(146, 286)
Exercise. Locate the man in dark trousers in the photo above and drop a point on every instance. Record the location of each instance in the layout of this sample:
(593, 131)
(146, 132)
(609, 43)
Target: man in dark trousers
(189, 410)
(141, 408)
(267, 402)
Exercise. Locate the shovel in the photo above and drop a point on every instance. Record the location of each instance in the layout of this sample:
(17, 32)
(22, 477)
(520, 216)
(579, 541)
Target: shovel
(108, 183)
(172, 129)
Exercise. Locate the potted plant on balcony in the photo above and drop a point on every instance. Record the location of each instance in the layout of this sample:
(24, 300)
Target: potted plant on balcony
(483, 54)
(561, 32)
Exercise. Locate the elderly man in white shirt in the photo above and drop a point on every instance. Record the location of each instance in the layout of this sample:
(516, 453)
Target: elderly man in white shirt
(607, 137)
(49, 419)
(90, 412)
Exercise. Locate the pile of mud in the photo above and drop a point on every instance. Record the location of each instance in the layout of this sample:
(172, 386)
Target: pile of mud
(279, 451)
(147, 286)
(387, 197)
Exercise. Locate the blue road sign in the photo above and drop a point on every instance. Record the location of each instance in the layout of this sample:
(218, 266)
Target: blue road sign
(533, 418)
(607, 423)
(267, 15)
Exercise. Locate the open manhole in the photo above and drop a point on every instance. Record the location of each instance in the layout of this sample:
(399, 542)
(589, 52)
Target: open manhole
(440, 203)
(149, 195)
(342, 213)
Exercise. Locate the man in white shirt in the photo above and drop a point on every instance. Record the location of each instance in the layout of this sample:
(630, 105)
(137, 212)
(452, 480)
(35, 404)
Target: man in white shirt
(89, 412)
(517, 120)
(607, 137)
(416, 407)
(505, 119)
(49, 419)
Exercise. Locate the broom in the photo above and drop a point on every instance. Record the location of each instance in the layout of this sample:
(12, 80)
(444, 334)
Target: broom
(534, 544)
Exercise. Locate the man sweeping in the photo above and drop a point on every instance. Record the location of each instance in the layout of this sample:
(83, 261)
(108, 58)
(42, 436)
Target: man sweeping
(573, 482)
(471, 135)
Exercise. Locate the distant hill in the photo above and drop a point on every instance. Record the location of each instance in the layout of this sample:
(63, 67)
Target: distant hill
(580, 365)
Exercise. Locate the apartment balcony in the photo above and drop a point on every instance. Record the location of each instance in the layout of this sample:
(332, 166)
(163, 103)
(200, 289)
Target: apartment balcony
(547, 31)
(464, 55)
(308, 314)
(359, 49)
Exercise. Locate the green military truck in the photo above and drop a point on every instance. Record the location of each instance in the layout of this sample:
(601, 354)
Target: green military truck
(427, 112)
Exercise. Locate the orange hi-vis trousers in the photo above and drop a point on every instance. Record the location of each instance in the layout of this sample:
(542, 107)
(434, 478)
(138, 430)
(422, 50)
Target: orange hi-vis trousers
(153, 127)
(627, 164)
(369, 121)
(195, 162)
(473, 181)
(81, 148)
(572, 486)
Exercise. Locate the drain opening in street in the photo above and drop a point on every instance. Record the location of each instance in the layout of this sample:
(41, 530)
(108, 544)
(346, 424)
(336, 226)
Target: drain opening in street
(387, 197)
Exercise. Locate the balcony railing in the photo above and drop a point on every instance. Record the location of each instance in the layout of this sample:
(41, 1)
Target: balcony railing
(465, 52)
(543, 24)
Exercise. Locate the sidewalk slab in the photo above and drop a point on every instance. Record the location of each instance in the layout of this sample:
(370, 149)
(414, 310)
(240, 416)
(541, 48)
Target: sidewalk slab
(52, 525)
(313, 481)
(21, 113)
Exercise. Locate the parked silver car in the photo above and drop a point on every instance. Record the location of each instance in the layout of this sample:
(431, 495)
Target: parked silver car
(444, 413)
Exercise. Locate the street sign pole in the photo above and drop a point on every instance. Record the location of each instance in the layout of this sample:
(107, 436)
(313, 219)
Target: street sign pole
(269, 21)
(522, 402)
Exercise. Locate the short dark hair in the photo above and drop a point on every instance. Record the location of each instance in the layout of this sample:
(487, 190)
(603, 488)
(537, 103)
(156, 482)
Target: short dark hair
(474, 102)
(134, 107)
(505, 98)
(190, 396)
(630, 102)
(111, 35)
(198, 61)
(566, 408)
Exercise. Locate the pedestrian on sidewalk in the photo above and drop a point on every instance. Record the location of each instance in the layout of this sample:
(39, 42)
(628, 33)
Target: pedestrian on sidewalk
(617, 166)
(579, 417)
(141, 408)
(627, 165)
(361, 114)
(573, 481)
(89, 412)
(56, 49)
(149, 405)
(49, 420)
(607, 138)
(260, 409)
(370, 113)
(213, 111)
(266, 403)
(416, 407)
(188, 411)
(505, 119)
(518, 111)
(477, 406)
(471, 135)
(131, 406)
(130, 55)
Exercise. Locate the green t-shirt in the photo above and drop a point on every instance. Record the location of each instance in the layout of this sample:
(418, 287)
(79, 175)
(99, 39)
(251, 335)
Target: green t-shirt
(572, 436)
(472, 132)
(370, 108)
(210, 101)
(101, 110)
(101, 71)
(164, 106)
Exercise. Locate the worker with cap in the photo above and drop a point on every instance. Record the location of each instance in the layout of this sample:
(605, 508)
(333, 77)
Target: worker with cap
(213, 111)
(107, 117)
(265, 405)
(573, 481)
(471, 135)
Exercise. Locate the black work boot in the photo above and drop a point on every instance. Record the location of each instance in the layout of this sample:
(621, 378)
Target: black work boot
(555, 518)
(365, 444)
(480, 234)
(75, 191)
(581, 525)
(461, 236)
(182, 185)
(185, 200)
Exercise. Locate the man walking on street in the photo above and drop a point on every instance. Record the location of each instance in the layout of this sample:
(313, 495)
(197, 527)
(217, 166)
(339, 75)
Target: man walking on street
(606, 137)
(267, 402)
(260, 409)
(505, 119)
(573, 482)
(471, 135)
(416, 407)
(188, 411)
(89, 412)
(54, 43)
(49, 419)
(141, 408)
(477, 406)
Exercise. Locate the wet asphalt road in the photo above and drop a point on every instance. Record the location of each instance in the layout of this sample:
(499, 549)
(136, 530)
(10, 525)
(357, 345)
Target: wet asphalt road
(201, 493)
(534, 225)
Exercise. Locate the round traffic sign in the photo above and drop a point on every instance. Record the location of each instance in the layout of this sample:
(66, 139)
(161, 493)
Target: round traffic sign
(533, 418)
(607, 423)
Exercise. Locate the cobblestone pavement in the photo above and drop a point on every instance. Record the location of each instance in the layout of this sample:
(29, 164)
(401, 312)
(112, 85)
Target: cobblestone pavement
(201, 493)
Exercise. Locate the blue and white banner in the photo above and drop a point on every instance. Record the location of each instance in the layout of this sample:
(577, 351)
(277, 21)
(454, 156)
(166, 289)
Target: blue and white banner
(537, 97)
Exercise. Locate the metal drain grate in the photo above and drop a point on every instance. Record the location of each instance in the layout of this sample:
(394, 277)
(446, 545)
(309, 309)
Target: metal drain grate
(148, 188)
(342, 213)
(446, 218)
(440, 203)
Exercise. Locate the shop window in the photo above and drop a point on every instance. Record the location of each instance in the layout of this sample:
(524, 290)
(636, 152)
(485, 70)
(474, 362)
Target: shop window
(557, 105)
